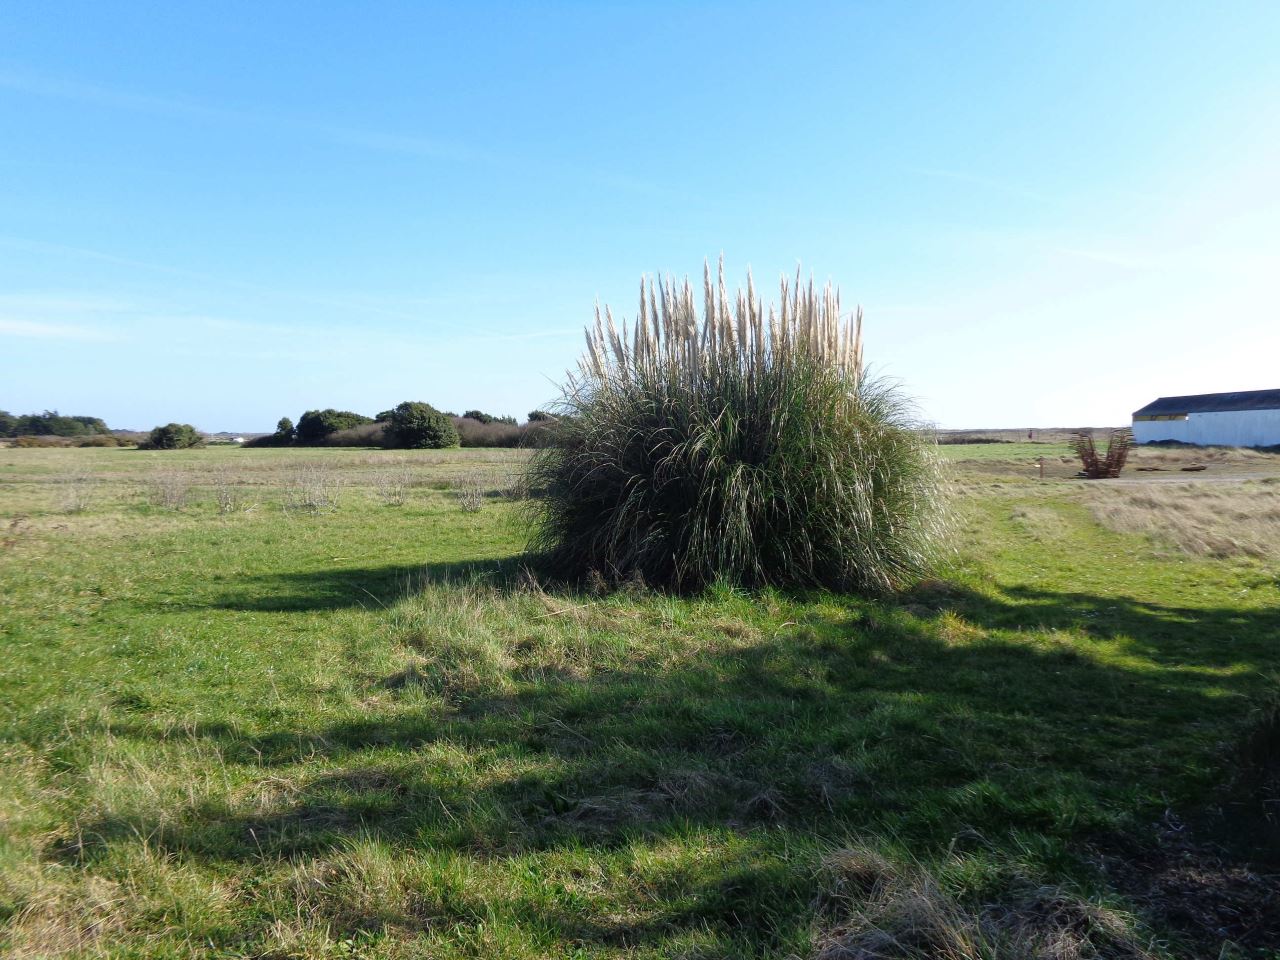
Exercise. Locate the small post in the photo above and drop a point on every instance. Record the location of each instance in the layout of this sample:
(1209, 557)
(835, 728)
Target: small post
(1041, 468)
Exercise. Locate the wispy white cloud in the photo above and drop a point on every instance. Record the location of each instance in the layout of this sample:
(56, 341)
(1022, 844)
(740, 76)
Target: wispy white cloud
(41, 330)
(538, 335)
(45, 304)
(59, 88)
(73, 316)
(1113, 257)
(394, 143)
(989, 183)
(416, 317)
(64, 250)
(63, 316)
(405, 144)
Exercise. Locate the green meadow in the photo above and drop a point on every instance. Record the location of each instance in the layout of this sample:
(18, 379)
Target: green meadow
(311, 703)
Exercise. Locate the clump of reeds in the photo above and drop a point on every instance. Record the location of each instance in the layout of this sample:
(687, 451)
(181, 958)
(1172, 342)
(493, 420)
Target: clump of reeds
(746, 445)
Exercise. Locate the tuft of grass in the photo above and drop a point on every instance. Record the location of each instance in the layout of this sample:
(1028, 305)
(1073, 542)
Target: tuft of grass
(746, 446)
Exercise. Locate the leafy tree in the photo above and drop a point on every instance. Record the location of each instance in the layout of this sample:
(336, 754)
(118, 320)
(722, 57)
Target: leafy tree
(36, 424)
(420, 426)
(487, 418)
(284, 430)
(315, 425)
(51, 423)
(95, 425)
(174, 436)
(539, 416)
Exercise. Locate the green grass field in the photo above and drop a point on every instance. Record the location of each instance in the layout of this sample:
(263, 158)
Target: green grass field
(286, 727)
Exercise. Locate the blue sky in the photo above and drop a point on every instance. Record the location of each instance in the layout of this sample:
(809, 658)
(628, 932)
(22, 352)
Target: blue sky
(225, 213)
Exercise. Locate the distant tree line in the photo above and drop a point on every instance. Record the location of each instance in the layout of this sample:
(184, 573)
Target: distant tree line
(50, 424)
(409, 425)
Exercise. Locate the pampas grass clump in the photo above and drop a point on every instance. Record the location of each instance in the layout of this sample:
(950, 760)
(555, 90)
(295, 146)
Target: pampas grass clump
(746, 446)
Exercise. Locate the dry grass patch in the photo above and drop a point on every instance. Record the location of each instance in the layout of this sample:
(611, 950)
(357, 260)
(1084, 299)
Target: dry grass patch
(1200, 519)
(878, 910)
(1041, 523)
(57, 913)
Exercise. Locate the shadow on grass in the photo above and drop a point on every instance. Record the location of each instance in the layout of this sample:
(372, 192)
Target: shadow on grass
(954, 715)
(1167, 634)
(343, 588)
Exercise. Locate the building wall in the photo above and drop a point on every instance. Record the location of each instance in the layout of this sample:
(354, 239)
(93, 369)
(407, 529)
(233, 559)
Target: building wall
(1244, 428)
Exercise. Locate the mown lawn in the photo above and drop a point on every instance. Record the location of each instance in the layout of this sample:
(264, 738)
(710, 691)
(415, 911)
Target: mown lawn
(366, 731)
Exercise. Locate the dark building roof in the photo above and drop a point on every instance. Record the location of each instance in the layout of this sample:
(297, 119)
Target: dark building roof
(1213, 403)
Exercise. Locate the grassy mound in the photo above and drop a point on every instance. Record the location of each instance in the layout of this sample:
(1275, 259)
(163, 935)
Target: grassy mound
(746, 447)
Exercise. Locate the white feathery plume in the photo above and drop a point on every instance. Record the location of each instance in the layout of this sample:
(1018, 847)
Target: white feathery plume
(669, 338)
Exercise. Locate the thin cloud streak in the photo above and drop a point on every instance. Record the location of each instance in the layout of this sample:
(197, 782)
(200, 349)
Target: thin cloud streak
(40, 330)
(376, 140)
(42, 246)
(100, 95)
(1012, 189)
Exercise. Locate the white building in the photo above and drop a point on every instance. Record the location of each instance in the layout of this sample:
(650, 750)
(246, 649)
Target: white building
(1247, 419)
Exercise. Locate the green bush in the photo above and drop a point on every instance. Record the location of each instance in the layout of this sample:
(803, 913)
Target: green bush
(747, 448)
(420, 426)
(173, 436)
(315, 425)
